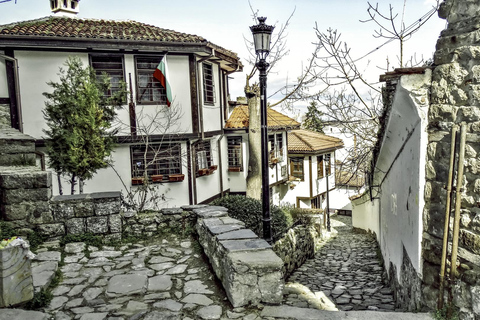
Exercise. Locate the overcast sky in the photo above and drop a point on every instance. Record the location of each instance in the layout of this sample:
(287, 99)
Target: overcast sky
(226, 23)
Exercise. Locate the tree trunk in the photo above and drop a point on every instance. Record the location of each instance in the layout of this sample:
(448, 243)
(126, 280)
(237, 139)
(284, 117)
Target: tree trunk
(60, 190)
(254, 177)
(80, 186)
(73, 182)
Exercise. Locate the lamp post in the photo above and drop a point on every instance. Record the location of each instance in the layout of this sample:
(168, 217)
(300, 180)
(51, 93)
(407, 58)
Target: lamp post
(261, 39)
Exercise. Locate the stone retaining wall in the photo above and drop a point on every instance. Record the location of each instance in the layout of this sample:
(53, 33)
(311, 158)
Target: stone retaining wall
(248, 268)
(150, 223)
(297, 245)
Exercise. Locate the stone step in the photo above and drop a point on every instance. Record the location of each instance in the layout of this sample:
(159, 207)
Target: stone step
(16, 148)
(288, 312)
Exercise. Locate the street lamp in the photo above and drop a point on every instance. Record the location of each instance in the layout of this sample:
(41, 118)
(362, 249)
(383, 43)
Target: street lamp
(261, 39)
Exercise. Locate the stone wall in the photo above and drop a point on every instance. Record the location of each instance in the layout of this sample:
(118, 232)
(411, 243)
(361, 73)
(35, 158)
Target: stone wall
(96, 213)
(150, 223)
(249, 270)
(297, 245)
(5, 116)
(455, 98)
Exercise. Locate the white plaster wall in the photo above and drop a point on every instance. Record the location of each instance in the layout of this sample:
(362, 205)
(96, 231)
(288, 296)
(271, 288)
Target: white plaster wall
(35, 69)
(209, 185)
(366, 215)
(176, 193)
(3, 79)
(401, 172)
(175, 119)
(340, 198)
(237, 181)
(212, 114)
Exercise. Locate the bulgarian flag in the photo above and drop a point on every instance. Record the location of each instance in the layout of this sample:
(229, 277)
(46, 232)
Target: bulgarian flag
(161, 74)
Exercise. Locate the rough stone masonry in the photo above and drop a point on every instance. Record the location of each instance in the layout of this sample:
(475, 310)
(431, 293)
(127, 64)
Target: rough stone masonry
(455, 98)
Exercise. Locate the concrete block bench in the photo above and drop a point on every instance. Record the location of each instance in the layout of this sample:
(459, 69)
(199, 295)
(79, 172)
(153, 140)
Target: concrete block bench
(246, 265)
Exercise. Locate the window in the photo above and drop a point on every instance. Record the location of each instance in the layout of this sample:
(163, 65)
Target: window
(319, 167)
(296, 167)
(234, 153)
(275, 145)
(149, 89)
(279, 145)
(208, 85)
(328, 165)
(271, 146)
(203, 158)
(156, 159)
(113, 67)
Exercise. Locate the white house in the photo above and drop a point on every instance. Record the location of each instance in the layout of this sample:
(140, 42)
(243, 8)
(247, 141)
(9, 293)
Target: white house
(189, 168)
(236, 130)
(192, 151)
(312, 172)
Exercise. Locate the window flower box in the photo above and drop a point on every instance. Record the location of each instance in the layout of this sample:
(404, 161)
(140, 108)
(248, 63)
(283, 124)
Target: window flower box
(234, 169)
(157, 178)
(137, 181)
(213, 167)
(176, 177)
(202, 172)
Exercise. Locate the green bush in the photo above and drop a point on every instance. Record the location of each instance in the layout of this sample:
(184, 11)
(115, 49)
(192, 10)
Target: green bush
(300, 215)
(250, 211)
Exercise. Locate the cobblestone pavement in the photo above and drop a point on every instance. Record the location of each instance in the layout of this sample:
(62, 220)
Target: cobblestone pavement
(163, 279)
(345, 271)
(169, 278)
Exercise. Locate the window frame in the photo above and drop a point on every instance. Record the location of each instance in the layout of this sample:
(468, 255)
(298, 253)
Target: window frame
(293, 171)
(320, 172)
(155, 60)
(204, 149)
(100, 71)
(235, 153)
(209, 96)
(173, 160)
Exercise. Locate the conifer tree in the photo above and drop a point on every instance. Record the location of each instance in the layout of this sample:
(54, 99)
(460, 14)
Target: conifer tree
(79, 138)
(313, 118)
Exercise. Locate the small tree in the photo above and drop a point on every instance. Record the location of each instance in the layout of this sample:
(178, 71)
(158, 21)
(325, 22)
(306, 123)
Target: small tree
(313, 118)
(79, 138)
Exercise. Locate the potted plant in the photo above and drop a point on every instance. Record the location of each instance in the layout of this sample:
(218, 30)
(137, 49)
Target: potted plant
(234, 169)
(213, 167)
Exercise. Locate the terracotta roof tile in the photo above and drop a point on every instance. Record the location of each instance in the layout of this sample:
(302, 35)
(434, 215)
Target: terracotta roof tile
(68, 27)
(239, 119)
(306, 141)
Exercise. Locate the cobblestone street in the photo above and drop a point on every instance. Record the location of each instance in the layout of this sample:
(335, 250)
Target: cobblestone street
(169, 278)
(345, 270)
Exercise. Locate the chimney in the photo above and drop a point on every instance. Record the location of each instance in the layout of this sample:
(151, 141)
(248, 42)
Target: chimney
(68, 8)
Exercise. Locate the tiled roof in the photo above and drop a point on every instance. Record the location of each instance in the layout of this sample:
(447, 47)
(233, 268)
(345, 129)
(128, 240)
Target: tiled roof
(73, 27)
(239, 119)
(306, 141)
(343, 178)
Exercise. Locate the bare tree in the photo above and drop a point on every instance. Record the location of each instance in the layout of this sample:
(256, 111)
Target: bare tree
(392, 29)
(292, 93)
(154, 133)
(352, 103)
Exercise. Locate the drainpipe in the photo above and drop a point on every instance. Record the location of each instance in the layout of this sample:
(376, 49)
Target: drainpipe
(17, 89)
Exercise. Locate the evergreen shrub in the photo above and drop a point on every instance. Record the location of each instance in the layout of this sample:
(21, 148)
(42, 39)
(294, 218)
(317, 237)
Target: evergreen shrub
(250, 211)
